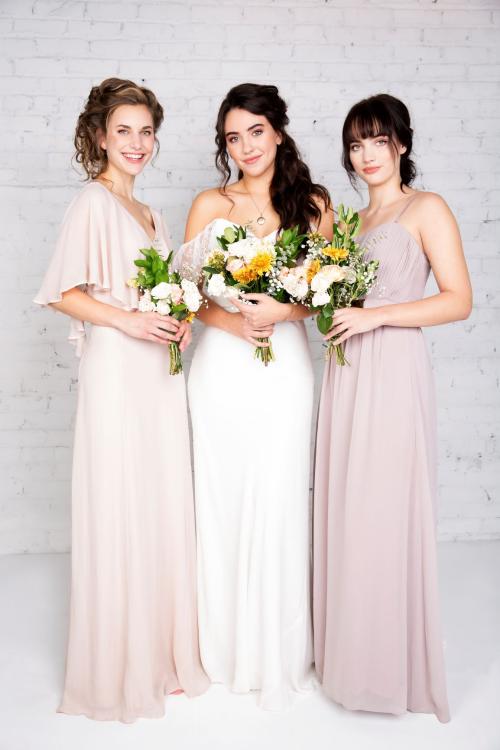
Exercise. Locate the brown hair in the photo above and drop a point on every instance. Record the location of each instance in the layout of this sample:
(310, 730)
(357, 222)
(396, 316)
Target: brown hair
(93, 120)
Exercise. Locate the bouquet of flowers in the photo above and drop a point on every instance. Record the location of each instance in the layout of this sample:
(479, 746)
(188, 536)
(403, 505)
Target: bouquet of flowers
(250, 264)
(165, 292)
(334, 275)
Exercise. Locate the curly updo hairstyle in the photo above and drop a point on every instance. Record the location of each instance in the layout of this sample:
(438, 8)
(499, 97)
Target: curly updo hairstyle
(292, 190)
(93, 120)
(381, 114)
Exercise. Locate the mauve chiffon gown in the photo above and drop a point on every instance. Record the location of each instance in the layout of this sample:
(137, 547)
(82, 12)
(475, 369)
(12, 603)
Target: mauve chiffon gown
(133, 633)
(377, 632)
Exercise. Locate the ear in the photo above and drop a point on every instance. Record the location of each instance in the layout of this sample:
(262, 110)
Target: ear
(402, 150)
(279, 139)
(101, 139)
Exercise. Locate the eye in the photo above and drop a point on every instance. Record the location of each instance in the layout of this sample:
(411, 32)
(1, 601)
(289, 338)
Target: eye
(147, 132)
(122, 131)
(382, 141)
(232, 139)
(354, 147)
(259, 131)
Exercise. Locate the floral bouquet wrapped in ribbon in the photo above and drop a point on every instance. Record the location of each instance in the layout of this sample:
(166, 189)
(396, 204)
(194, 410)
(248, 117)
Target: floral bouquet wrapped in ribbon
(334, 275)
(244, 264)
(167, 293)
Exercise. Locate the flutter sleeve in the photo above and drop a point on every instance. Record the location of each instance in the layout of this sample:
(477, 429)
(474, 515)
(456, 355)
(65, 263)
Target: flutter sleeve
(190, 257)
(87, 254)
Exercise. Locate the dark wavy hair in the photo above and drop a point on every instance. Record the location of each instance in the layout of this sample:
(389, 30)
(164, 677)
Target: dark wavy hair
(93, 120)
(292, 189)
(381, 114)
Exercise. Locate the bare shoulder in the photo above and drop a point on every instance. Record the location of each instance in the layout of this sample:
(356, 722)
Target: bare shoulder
(430, 205)
(207, 206)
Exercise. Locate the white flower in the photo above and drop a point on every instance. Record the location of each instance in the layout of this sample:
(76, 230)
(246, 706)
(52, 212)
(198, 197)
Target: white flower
(175, 292)
(320, 298)
(145, 302)
(245, 249)
(232, 292)
(160, 291)
(192, 297)
(162, 307)
(320, 282)
(302, 288)
(326, 276)
(216, 285)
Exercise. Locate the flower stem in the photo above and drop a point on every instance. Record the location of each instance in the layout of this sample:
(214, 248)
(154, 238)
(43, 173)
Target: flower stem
(175, 358)
(339, 353)
(265, 353)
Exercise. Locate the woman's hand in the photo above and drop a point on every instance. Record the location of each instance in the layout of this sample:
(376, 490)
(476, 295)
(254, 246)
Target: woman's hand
(242, 328)
(351, 320)
(263, 311)
(185, 332)
(149, 326)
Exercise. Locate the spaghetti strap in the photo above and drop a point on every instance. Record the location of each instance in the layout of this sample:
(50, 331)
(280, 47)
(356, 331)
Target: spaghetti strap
(408, 203)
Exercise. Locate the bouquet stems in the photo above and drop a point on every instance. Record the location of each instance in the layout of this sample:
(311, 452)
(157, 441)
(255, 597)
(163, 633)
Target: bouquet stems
(175, 358)
(339, 352)
(265, 353)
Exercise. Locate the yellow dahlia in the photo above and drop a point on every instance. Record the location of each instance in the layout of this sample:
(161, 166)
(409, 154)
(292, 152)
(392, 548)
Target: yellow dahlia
(261, 263)
(245, 275)
(335, 253)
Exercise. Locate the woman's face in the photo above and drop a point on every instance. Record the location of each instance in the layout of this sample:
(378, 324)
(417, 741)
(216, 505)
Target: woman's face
(251, 141)
(375, 160)
(130, 139)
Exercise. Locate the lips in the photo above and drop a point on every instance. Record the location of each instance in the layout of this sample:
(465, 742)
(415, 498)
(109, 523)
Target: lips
(252, 160)
(370, 170)
(134, 158)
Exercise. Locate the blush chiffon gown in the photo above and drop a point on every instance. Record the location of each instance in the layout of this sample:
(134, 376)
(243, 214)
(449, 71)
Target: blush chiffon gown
(251, 445)
(376, 602)
(133, 633)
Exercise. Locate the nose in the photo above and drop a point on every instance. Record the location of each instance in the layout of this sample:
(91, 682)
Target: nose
(247, 145)
(136, 141)
(368, 154)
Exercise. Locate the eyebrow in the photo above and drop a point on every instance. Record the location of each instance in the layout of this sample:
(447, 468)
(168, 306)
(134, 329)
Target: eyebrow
(256, 125)
(377, 135)
(144, 127)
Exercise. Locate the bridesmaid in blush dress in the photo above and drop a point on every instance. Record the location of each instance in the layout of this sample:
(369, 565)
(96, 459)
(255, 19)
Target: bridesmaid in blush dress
(133, 633)
(376, 605)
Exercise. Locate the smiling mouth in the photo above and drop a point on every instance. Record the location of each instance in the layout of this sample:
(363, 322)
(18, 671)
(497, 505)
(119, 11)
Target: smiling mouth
(133, 157)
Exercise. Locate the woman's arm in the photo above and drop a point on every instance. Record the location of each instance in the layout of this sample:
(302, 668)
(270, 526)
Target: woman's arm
(441, 241)
(151, 326)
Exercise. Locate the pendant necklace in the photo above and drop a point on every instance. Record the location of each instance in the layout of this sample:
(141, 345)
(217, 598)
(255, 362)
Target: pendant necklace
(261, 219)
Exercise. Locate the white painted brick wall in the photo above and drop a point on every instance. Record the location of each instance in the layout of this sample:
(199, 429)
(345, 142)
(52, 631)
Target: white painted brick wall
(441, 56)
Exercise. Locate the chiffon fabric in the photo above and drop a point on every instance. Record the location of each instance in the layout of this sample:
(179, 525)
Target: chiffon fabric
(251, 443)
(376, 601)
(133, 626)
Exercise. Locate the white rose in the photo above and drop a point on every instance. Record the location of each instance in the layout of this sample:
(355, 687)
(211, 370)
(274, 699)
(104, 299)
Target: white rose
(302, 288)
(334, 273)
(320, 282)
(216, 285)
(192, 297)
(175, 293)
(320, 298)
(161, 291)
(145, 304)
(243, 249)
(231, 292)
(163, 307)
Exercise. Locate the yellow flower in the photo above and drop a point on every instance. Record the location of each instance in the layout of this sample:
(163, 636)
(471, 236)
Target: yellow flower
(245, 275)
(261, 263)
(335, 253)
(313, 269)
(189, 318)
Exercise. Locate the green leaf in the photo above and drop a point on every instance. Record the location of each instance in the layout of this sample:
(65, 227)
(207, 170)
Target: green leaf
(324, 323)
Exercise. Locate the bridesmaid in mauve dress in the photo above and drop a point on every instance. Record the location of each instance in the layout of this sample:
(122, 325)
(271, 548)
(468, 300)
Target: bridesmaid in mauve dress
(133, 633)
(376, 605)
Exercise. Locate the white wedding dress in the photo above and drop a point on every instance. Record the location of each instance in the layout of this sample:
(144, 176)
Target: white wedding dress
(251, 440)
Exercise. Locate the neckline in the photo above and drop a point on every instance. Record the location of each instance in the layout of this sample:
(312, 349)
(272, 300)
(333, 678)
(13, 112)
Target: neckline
(235, 224)
(138, 223)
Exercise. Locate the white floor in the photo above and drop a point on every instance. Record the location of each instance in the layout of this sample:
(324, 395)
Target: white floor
(34, 603)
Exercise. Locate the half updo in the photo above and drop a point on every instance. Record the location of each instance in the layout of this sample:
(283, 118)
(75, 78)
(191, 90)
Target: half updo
(381, 114)
(292, 190)
(93, 120)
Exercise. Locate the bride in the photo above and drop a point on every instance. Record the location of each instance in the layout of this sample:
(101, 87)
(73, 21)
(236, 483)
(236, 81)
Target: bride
(251, 424)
